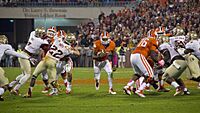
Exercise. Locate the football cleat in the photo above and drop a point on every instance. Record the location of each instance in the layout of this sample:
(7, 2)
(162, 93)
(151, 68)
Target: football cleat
(14, 92)
(127, 90)
(46, 90)
(1, 98)
(186, 92)
(28, 94)
(97, 84)
(140, 93)
(112, 92)
(52, 93)
(163, 90)
(68, 91)
(148, 89)
(198, 87)
(179, 90)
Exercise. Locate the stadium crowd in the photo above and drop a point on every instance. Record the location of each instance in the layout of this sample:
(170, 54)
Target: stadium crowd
(128, 26)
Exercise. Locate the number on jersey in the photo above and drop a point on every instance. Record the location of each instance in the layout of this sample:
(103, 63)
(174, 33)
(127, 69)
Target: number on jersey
(55, 52)
(143, 42)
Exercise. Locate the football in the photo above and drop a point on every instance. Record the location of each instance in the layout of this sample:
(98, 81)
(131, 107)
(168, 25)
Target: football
(101, 54)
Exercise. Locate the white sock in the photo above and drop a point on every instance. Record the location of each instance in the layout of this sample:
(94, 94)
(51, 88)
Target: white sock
(17, 87)
(161, 83)
(19, 77)
(185, 89)
(1, 91)
(143, 85)
(174, 84)
(12, 83)
(110, 81)
(148, 85)
(22, 81)
(130, 83)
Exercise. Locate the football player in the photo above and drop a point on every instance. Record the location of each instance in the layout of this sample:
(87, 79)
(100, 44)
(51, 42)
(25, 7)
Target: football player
(35, 42)
(58, 50)
(175, 64)
(193, 55)
(145, 48)
(6, 49)
(102, 49)
(52, 35)
(65, 65)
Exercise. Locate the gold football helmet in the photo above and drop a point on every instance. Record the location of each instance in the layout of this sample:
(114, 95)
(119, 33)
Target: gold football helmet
(70, 38)
(163, 39)
(39, 32)
(192, 35)
(177, 31)
(3, 39)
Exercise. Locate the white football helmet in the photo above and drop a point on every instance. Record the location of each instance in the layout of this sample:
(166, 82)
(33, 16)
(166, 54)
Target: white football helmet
(51, 32)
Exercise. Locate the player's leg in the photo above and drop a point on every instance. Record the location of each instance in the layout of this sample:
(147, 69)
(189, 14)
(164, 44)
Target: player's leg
(97, 75)
(182, 84)
(3, 83)
(193, 65)
(67, 75)
(45, 79)
(133, 59)
(147, 72)
(173, 72)
(26, 68)
(11, 84)
(123, 61)
(108, 69)
(51, 71)
(38, 70)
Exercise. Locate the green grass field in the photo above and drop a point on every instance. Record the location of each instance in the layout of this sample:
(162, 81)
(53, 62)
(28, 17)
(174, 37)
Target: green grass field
(85, 99)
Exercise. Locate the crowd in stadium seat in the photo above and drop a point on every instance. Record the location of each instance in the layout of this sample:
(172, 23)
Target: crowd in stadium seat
(128, 26)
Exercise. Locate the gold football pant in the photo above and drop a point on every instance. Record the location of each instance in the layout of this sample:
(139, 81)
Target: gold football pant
(175, 69)
(49, 64)
(3, 80)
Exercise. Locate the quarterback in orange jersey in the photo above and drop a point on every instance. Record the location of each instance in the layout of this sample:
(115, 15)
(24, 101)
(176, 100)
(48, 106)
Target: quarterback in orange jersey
(102, 49)
(147, 47)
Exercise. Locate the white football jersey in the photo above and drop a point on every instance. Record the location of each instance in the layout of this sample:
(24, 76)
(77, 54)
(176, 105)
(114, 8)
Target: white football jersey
(59, 49)
(195, 45)
(34, 43)
(171, 49)
(173, 40)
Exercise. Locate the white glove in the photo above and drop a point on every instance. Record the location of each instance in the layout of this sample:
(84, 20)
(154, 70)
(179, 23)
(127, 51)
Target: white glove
(33, 61)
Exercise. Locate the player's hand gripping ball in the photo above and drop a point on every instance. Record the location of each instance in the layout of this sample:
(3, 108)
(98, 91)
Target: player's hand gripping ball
(101, 54)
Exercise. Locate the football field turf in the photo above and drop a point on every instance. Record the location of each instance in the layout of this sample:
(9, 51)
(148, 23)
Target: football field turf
(85, 99)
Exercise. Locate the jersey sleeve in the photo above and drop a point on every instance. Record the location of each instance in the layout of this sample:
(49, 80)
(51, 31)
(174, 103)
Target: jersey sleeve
(12, 52)
(154, 44)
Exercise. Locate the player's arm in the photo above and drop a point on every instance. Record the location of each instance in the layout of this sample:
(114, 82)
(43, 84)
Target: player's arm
(16, 54)
(167, 57)
(75, 51)
(154, 54)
